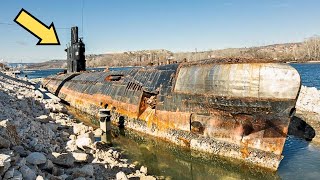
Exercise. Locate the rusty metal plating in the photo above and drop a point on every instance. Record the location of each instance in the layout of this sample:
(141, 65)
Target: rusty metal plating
(238, 109)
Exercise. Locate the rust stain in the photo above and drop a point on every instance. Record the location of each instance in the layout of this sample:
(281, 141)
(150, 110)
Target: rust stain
(148, 95)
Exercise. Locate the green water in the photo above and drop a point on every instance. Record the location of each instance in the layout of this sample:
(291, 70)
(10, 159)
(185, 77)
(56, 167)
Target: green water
(301, 159)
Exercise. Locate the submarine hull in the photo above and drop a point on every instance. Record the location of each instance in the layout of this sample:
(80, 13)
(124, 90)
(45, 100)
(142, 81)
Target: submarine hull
(235, 110)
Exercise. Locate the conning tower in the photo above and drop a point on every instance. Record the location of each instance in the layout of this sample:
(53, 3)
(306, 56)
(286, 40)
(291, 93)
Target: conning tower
(76, 53)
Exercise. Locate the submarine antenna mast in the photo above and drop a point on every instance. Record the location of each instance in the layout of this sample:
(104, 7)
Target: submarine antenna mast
(82, 19)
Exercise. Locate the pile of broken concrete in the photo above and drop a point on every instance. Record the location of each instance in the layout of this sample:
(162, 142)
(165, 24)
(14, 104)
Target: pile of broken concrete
(39, 140)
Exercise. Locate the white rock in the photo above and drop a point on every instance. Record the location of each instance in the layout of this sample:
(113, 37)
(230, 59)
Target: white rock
(39, 178)
(73, 137)
(80, 157)
(80, 128)
(147, 178)
(116, 154)
(43, 118)
(84, 142)
(4, 163)
(87, 135)
(36, 158)
(98, 132)
(144, 170)
(121, 176)
(71, 145)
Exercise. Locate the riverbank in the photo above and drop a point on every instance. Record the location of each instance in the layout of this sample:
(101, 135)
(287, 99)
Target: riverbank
(39, 140)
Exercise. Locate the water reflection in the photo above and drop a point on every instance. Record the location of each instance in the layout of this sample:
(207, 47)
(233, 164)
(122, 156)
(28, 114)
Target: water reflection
(301, 159)
(165, 159)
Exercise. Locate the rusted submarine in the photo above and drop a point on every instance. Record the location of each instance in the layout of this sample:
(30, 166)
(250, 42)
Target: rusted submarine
(235, 108)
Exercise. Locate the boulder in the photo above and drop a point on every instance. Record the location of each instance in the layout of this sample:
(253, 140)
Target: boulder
(21, 162)
(27, 173)
(20, 150)
(87, 170)
(57, 171)
(47, 166)
(17, 175)
(9, 174)
(64, 159)
(36, 158)
(4, 143)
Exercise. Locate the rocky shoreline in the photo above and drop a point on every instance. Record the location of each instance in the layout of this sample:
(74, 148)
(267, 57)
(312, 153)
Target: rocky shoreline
(40, 140)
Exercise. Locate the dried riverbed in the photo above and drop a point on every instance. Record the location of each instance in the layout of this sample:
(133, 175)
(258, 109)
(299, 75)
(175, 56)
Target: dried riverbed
(40, 140)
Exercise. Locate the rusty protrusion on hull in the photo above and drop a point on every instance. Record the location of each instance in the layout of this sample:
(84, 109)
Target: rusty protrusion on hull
(105, 125)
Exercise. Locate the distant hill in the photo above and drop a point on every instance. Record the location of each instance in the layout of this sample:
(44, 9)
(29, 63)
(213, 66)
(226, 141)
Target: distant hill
(130, 58)
(309, 50)
(281, 52)
(52, 64)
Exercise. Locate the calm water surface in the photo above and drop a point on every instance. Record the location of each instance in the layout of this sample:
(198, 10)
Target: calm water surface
(310, 74)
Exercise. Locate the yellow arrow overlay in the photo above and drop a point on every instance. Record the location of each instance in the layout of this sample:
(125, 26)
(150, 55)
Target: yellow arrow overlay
(46, 35)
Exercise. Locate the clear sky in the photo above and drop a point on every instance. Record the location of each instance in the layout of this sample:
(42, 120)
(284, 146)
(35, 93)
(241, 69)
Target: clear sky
(176, 25)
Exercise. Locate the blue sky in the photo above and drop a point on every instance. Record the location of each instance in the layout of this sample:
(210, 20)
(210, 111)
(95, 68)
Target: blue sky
(176, 25)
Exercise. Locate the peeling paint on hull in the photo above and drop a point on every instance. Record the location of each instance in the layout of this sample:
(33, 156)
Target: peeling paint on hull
(239, 110)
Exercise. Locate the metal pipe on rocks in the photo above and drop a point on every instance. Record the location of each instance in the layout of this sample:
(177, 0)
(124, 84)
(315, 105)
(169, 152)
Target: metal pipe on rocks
(105, 125)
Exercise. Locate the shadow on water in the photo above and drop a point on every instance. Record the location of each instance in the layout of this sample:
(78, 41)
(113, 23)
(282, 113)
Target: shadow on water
(301, 160)
(300, 129)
